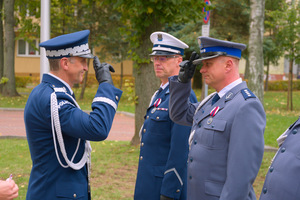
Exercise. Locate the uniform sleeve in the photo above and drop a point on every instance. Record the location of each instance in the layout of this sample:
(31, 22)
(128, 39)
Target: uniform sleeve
(181, 109)
(174, 180)
(245, 152)
(96, 125)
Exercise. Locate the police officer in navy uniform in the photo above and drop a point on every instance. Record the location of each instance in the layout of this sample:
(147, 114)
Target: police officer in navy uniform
(226, 141)
(282, 180)
(164, 144)
(58, 131)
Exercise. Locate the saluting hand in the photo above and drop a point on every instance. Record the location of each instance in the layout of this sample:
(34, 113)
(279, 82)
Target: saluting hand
(102, 71)
(187, 68)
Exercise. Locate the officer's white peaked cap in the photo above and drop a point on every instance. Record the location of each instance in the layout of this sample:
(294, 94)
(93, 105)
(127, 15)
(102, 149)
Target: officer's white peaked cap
(68, 45)
(166, 44)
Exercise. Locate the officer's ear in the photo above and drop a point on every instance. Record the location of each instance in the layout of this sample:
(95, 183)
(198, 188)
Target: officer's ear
(229, 65)
(64, 63)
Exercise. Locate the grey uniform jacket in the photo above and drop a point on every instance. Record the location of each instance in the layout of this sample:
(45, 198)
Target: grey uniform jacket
(282, 181)
(227, 148)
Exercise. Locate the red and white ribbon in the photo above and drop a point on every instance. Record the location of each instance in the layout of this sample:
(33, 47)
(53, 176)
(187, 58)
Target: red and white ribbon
(157, 102)
(214, 111)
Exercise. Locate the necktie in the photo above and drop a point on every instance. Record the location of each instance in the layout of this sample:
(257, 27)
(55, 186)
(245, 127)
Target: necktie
(159, 91)
(215, 99)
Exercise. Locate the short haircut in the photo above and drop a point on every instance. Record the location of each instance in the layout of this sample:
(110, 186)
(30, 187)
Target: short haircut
(55, 63)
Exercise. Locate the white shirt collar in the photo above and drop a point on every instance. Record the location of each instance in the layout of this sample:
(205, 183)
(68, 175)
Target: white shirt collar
(229, 87)
(65, 83)
(164, 86)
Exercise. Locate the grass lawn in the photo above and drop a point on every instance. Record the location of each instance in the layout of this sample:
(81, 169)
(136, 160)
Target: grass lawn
(114, 164)
(114, 167)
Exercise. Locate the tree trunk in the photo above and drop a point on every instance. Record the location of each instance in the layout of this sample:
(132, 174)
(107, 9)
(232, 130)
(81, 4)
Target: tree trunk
(290, 87)
(1, 44)
(9, 88)
(267, 76)
(256, 60)
(146, 82)
(246, 73)
(197, 80)
(121, 75)
(83, 86)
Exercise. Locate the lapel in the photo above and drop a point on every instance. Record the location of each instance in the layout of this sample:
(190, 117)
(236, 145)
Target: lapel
(163, 95)
(207, 107)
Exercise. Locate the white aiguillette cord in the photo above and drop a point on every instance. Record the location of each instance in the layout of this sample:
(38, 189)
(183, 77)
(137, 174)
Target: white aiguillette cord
(56, 131)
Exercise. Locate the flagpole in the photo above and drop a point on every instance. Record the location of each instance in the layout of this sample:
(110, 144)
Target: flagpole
(45, 35)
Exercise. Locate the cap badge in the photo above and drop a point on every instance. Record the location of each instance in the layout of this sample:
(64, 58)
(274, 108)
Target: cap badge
(159, 37)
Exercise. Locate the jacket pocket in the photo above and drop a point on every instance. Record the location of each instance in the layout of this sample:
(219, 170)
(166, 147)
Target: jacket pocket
(212, 136)
(68, 190)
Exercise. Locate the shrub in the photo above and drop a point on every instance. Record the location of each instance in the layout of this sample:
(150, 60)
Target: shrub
(282, 85)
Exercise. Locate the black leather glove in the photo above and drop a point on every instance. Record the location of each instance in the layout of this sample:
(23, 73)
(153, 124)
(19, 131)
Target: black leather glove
(187, 68)
(162, 197)
(102, 71)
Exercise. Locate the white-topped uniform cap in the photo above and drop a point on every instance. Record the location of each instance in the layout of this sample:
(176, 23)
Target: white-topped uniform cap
(166, 44)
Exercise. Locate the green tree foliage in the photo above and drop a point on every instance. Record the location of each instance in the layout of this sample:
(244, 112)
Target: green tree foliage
(286, 20)
(272, 51)
(141, 19)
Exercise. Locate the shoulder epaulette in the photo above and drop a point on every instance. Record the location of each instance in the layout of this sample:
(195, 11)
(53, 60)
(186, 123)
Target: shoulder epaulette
(247, 93)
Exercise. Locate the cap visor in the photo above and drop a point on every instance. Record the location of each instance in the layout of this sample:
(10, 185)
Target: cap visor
(89, 55)
(198, 61)
(161, 53)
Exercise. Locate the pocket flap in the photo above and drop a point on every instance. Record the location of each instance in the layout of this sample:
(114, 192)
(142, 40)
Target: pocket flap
(70, 190)
(215, 124)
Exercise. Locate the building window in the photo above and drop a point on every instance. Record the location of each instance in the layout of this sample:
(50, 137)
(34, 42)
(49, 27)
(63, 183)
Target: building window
(28, 48)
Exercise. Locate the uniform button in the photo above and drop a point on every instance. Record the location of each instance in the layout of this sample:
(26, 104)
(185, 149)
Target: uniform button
(212, 126)
(144, 130)
(147, 117)
(294, 131)
(282, 149)
(190, 177)
(191, 159)
(199, 125)
(265, 190)
(117, 98)
(141, 157)
(177, 190)
(195, 141)
(271, 169)
(142, 144)
(157, 117)
(74, 195)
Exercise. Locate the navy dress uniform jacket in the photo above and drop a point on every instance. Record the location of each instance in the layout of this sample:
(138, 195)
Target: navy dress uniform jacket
(227, 149)
(163, 153)
(282, 180)
(48, 179)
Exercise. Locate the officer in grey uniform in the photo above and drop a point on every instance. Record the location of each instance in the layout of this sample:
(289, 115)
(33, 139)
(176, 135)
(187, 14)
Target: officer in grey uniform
(164, 144)
(226, 141)
(58, 131)
(282, 181)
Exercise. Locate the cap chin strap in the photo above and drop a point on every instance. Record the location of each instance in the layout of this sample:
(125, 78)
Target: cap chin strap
(56, 132)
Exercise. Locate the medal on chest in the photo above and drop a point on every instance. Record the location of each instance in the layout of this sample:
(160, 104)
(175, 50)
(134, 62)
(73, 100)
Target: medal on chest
(156, 104)
(213, 112)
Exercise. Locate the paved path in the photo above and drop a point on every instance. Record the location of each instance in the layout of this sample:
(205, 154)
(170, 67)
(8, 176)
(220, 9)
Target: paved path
(12, 125)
